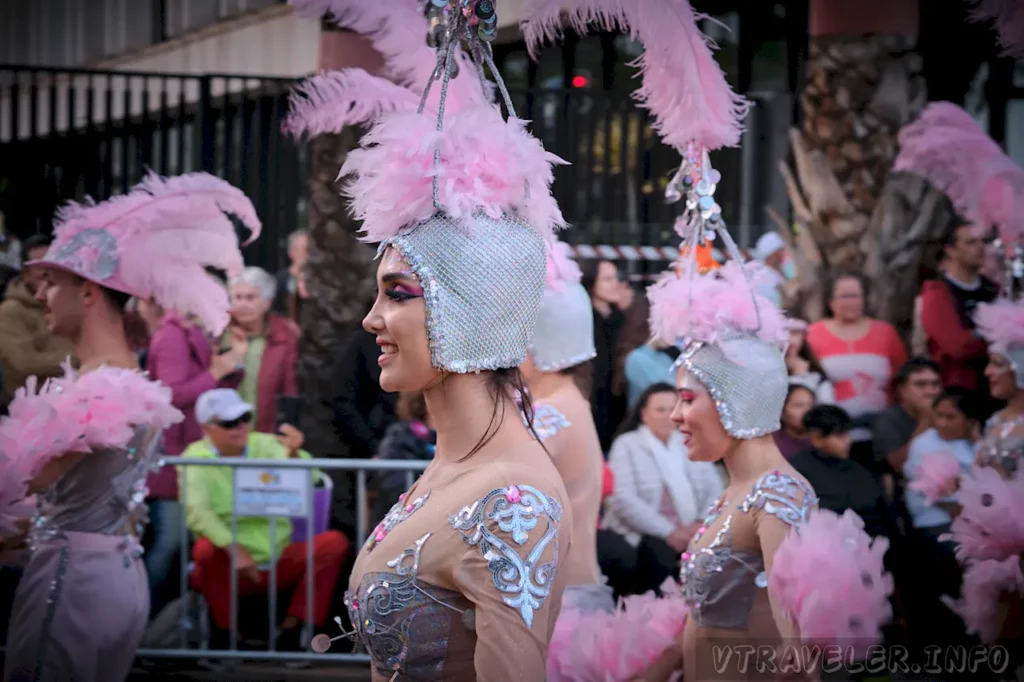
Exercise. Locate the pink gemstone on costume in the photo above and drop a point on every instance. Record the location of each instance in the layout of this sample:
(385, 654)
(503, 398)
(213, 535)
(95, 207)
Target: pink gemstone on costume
(513, 495)
(686, 556)
(408, 507)
(702, 529)
(379, 536)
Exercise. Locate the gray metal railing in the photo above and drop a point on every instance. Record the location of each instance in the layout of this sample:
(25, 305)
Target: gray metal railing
(360, 467)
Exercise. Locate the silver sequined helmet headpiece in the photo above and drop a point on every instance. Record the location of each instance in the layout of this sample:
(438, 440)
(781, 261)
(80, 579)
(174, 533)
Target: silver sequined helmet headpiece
(564, 334)
(466, 200)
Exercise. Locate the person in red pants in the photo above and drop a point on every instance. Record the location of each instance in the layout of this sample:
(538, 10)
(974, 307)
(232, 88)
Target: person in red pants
(209, 491)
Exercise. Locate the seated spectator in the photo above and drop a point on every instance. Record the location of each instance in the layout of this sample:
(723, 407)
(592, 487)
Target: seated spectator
(804, 366)
(410, 438)
(839, 482)
(660, 496)
(792, 438)
(269, 346)
(225, 420)
(27, 346)
(916, 386)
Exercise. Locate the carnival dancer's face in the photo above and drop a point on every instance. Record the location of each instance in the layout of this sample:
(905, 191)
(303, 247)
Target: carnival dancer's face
(399, 320)
(697, 419)
(1002, 380)
(63, 294)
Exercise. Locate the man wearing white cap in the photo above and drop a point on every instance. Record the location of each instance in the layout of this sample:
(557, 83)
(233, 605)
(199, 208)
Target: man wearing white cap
(771, 250)
(209, 497)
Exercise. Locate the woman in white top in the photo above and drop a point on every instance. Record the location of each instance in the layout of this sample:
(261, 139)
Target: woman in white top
(660, 495)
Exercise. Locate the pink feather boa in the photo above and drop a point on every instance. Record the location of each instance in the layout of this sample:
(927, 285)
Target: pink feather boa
(709, 307)
(488, 165)
(991, 521)
(984, 584)
(829, 577)
(329, 102)
(616, 647)
(1001, 323)
(683, 86)
(937, 475)
(72, 414)
(562, 268)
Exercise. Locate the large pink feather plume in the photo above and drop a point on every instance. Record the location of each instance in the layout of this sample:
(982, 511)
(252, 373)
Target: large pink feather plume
(168, 230)
(828, 575)
(1001, 323)
(398, 31)
(713, 306)
(562, 267)
(985, 583)
(1008, 16)
(487, 165)
(991, 521)
(683, 86)
(948, 148)
(333, 100)
(937, 476)
(595, 646)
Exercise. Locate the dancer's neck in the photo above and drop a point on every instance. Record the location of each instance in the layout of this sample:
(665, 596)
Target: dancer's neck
(750, 459)
(545, 385)
(462, 408)
(103, 343)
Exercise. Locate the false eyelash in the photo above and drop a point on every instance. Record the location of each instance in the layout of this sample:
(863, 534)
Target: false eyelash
(396, 295)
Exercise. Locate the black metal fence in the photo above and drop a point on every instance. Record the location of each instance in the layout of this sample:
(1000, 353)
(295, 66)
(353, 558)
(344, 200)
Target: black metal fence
(67, 133)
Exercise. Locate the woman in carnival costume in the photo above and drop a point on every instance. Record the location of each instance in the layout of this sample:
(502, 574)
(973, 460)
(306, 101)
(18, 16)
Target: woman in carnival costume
(83, 444)
(463, 578)
(748, 576)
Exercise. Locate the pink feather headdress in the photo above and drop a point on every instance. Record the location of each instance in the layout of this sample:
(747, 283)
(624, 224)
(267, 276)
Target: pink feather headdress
(1008, 16)
(1001, 323)
(487, 165)
(948, 148)
(683, 86)
(562, 268)
(155, 241)
(715, 306)
(396, 30)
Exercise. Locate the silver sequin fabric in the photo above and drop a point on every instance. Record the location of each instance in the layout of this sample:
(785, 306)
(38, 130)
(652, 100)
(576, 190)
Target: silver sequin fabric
(483, 281)
(747, 379)
(564, 335)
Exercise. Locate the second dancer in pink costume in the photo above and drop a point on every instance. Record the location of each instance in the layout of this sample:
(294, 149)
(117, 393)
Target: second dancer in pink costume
(84, 444)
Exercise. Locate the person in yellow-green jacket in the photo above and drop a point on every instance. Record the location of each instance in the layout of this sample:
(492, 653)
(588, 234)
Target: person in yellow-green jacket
(209, 498)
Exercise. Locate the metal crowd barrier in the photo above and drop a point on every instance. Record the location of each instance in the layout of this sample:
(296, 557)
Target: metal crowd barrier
(360, 466)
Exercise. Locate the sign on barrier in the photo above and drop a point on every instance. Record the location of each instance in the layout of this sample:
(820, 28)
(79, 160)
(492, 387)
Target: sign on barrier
(271, 492)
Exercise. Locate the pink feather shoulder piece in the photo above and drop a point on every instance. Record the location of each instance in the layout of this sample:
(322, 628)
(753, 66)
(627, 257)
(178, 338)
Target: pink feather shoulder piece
(1001, 323)
(333, 100)
(156, 240)
(398, 30)
(991, 522)
(100, 409)
(1008, 16)
(488, 165)
(828, 575)
(713, 306)
(948, 148)
(683, 86)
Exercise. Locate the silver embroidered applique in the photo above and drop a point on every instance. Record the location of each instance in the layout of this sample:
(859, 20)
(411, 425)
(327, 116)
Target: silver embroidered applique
(398, 513)
(515, 510)
(547, 421)
(788, 499)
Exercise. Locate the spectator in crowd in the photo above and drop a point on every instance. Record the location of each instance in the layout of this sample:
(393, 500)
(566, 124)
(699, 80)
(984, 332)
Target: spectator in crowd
(636, 333)
(947, 307)
(225, 420)
(27, 347)
(839, 482)
(647, 365)
(409, 438)
(804, 366)
(917, 385)
(792, 438)
(860, 355)
(771, 251)
(362, 410)
(601, 280)
(270, 343)
(291, 280)
(660, 496)
(150, 314)
(181, 357)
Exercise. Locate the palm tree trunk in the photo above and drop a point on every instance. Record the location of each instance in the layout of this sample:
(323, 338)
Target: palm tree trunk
(850, 212)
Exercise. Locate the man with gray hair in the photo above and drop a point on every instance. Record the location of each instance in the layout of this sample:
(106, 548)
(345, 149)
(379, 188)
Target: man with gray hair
(291, 284)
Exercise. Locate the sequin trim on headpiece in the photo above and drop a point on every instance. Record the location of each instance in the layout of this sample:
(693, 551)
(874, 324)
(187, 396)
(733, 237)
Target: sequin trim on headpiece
(564, 335)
